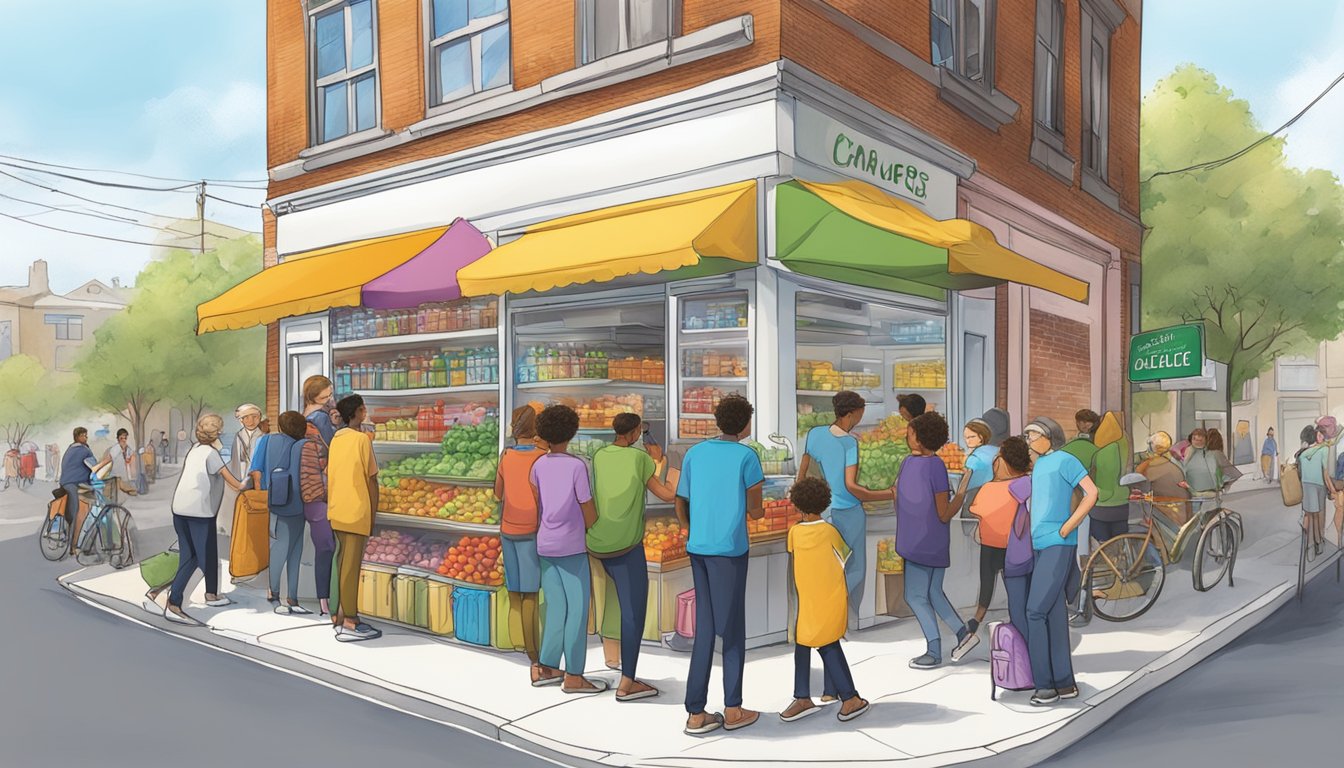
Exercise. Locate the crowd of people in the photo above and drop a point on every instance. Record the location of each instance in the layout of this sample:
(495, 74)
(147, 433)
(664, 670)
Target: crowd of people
(1037, 500)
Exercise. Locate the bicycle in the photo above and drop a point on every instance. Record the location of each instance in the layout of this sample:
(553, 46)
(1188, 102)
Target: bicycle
(1124, 576)
(108, 532)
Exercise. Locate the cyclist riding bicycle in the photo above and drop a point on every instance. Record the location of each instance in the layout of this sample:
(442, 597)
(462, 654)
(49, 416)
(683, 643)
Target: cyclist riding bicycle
(77, 468)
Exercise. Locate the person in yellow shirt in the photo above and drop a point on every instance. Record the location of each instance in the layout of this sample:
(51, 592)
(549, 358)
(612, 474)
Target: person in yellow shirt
(352, 496)
(817, 564)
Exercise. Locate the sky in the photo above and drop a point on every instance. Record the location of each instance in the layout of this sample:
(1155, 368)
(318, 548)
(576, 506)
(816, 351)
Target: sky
(176, 88)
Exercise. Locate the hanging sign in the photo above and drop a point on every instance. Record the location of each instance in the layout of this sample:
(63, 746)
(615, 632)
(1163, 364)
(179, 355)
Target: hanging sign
(1168, 353)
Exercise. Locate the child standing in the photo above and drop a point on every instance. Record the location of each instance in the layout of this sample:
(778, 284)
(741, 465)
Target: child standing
(923, 539)
(818, 555)
(1005, 532)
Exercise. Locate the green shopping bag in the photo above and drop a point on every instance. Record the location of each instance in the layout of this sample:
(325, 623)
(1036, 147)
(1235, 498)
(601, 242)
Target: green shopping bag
(158, 571)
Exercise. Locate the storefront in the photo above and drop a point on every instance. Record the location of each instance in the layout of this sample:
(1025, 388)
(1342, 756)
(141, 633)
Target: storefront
(768, 249)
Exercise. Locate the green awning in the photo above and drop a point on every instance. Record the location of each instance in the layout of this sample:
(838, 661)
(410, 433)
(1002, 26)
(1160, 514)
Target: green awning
(854, 233)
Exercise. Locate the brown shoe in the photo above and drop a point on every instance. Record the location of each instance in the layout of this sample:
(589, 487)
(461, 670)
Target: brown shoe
(581, 685)
(799, 709)
(705, 722)
(852, 708)
(736, 718)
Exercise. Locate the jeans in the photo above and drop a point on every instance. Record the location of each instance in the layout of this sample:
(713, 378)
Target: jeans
(324, 545)
(991, 562)
(852, 524)
(629, 573)
(286, 549)
(198, 547)
(568, 585)
(350, 549)
(924, 593)
(1048, 619)
(720, 610)
(1104, 531)
(839, 682)
(1018, 587)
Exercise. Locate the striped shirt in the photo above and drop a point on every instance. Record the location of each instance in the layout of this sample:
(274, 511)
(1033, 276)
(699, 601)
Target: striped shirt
(313, 467)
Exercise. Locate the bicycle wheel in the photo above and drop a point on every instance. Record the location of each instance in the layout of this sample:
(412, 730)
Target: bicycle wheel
(54, 538)
(1214, 553)
(1125, 575)
(121, 549)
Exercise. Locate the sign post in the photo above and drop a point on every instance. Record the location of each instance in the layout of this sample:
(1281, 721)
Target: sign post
(1167, 353)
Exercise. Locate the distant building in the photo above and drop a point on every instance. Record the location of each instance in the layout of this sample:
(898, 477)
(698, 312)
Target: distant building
(52, 327)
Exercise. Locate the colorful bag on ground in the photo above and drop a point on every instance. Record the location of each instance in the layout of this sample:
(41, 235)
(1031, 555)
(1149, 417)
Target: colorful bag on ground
(1290, 485)
(440, 599)
(686, 613)
(471, 615)
(158, 571)
(250, 542)
(1009, 663)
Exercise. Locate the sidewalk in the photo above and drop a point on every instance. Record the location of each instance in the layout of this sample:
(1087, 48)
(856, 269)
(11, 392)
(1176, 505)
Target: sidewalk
(918, 718)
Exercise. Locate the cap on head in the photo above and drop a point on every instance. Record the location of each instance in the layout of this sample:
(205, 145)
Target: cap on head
(999, 425)
(1049, 428)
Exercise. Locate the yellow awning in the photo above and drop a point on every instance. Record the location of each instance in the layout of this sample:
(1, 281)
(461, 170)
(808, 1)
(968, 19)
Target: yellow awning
(646, 237)
(311, 281)
(971, 248)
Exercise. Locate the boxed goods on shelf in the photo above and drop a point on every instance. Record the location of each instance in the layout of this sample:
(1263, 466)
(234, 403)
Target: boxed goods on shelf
(860, 380)
(647, 370)
(818, 375)
(440, 608)
(375, 593)
(411, 596)
(664, 541)
(697, 428)
(713, 363)
(359, 324)
(598, 412)
(568, 362)
(430, 368)
(702, 399)
(927, 374)
(717, 315)
(780, 516)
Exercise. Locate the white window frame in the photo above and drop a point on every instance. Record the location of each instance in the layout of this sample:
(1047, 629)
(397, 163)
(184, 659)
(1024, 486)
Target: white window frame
(474, 29)
(319, 8)
(587, 28)
(956, 62)
(1286, 368)
(64, 324)
(1045, 11)
(1095, 32)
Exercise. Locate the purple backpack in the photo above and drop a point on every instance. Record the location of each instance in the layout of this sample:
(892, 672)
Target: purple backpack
(1009, 664)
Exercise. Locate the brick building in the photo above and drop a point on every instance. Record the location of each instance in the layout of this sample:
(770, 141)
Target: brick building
(935, 196)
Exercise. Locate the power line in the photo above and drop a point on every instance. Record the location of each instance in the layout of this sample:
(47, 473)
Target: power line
(237, 183)
(81, 234)
(1219, 163)
(104, 216)
(44, 187)
(112, 184)
(252, 206)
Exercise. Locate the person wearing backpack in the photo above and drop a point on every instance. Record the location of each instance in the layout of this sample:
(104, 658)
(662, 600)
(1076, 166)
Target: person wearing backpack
(283, 457)
(1009, 657)
(997, 507)
(1314, 464)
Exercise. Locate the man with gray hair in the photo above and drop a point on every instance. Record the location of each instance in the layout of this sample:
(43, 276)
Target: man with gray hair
(249, 417)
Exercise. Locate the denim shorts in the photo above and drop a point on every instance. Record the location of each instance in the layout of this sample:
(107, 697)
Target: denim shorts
(522, 566)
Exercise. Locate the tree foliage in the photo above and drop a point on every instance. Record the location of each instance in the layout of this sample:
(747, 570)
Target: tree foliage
(29, 398)
(1253, 248)
(150, 353)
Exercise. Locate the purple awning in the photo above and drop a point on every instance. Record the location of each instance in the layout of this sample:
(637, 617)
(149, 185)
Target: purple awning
(431, 275)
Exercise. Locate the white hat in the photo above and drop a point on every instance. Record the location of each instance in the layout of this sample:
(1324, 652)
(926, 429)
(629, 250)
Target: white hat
(245, 409)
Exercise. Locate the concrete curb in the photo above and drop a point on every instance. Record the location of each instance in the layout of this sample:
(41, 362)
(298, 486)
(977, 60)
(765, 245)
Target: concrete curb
(1027, 748)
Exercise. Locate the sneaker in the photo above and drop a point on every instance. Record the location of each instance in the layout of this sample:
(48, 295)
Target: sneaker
(299, 610)
(219, 602)
(927, 661)
(1044, 697)
(1079, 620)
(282, 609)
(1068, 693)
(799, 709)
(361, 632)
(182, 618)
(965, 644)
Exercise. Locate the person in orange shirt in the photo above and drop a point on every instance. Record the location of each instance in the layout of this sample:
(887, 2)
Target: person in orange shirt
(995, 507)
(518, 530)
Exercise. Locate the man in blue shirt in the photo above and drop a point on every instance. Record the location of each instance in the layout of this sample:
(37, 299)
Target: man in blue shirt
(76, 469)
(720, 487)
(1054, 541)
(836, 452)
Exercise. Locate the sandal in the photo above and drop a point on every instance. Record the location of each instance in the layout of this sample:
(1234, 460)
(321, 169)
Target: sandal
(642, 691)
(589, 687)
(712, 723)
(542, 680)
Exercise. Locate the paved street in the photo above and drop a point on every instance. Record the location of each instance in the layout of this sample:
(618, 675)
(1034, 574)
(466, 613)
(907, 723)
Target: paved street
(83, 687)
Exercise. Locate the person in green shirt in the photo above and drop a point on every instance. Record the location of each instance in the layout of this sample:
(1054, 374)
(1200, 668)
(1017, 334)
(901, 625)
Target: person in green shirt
(1110, 517)
(622, 472)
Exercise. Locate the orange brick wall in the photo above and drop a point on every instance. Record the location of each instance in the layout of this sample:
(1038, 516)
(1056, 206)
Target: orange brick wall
(820, 46)
(543, 45)
(1061, 369)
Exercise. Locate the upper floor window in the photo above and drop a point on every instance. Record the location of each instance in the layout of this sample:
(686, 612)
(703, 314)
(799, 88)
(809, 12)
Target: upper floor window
(1049, 99)
(68, 327)
(1298, 374)
(344, 68)
(962, 37)
(1096, 77)
(469, 52)
(612, 26)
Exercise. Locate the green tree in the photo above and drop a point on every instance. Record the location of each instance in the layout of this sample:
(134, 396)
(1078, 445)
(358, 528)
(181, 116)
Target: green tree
(29, 398)
(1251, 248)
(150, 353)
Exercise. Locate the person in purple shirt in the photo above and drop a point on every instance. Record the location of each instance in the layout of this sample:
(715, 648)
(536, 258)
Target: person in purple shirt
(565, 502)
(923, 539)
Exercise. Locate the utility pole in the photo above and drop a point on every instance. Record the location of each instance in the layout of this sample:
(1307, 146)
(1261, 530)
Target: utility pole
(200, 210)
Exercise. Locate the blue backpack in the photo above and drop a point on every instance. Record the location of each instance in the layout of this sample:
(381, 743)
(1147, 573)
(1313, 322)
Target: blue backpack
(282, 467)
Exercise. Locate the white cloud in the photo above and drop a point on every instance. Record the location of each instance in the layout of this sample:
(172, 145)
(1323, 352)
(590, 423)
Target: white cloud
(1313, 141)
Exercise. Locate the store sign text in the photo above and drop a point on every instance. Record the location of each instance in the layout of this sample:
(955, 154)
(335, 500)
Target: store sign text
(1169, 353)
(846, 153)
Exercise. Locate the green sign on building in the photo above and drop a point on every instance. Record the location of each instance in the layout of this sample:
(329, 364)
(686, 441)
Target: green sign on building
(1168, 353)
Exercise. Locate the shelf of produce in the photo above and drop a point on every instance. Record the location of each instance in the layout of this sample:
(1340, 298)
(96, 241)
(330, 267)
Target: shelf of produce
(716, 379)
(467, 482)
(413, 339)
(831, 393)
(712, 332)
(398, 445)
(406, 570)
(433, 523)
(566, 383)
(429, 391)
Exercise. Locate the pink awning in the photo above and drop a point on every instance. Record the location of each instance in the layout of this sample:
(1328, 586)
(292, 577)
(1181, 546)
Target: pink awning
(431, 275)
